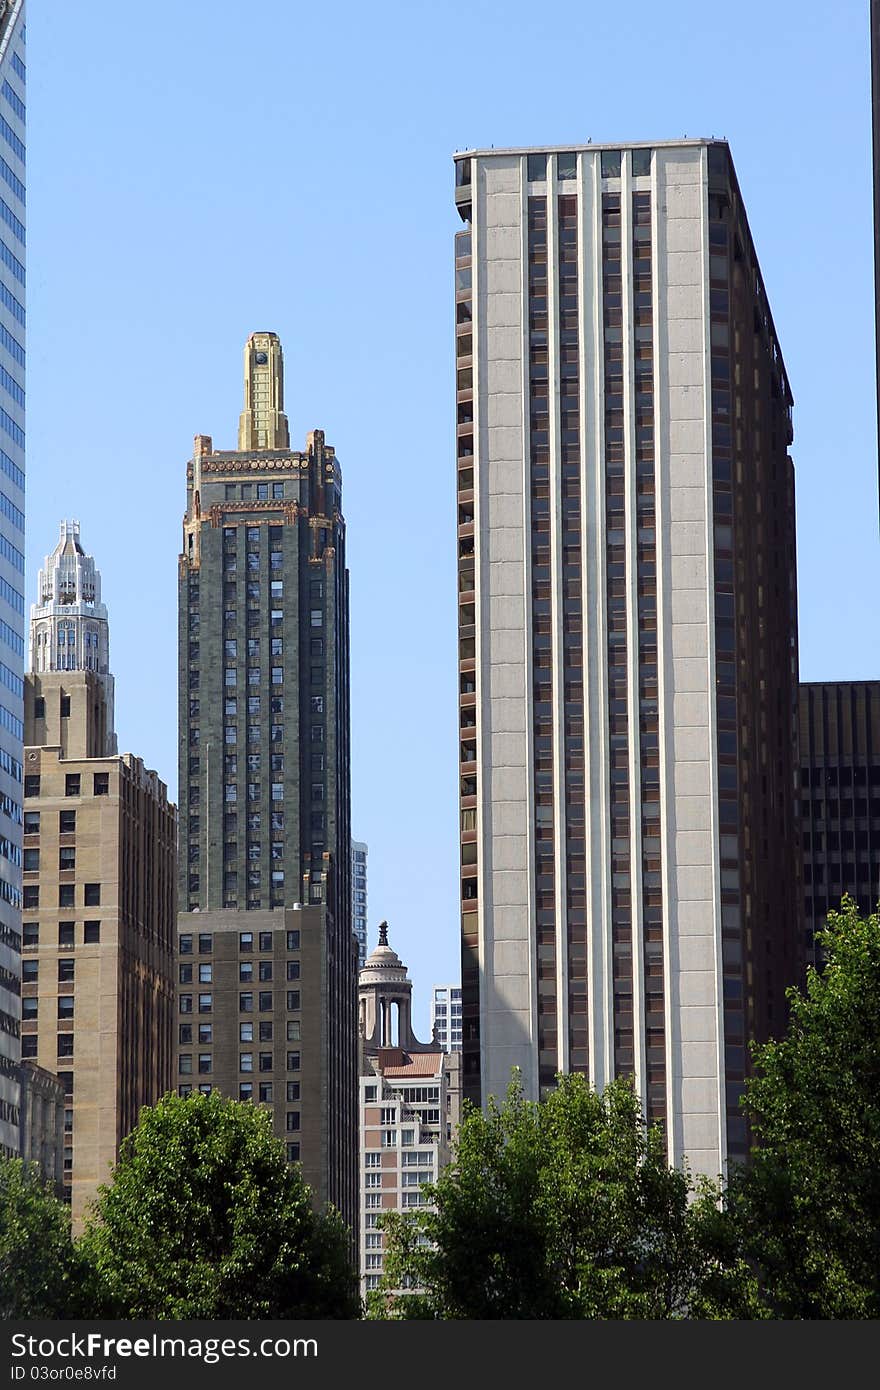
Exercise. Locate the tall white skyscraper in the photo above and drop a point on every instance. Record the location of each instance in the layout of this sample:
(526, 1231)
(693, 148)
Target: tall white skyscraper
(627, 632)
(446, 1016)
(12, 364)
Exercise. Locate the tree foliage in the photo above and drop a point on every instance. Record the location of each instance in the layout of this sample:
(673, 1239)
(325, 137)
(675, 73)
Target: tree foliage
(41, 1275)
(205, 1219)
(808, 1206)
(562, 1209)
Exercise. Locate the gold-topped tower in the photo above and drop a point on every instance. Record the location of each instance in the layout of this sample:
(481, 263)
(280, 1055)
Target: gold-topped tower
(263, 424)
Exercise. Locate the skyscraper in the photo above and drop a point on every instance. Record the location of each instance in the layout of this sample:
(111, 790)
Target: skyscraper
(840, 798)
(446, 1016)
(100, 861)
(12, 362)
(359, 897)
(627, 632)
(267, 961)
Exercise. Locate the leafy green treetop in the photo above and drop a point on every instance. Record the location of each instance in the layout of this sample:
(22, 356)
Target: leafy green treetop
(205, 1219)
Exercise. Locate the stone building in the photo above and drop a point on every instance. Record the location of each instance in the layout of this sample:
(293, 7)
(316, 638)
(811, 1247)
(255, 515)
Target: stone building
(99, 892)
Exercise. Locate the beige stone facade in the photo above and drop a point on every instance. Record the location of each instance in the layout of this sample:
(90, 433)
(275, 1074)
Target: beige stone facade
(99, 886)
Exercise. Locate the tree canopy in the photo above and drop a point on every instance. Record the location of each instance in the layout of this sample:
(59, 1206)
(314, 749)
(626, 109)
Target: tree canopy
(565, 1208)
(205, 1218)
(808, 1206)
(41, 1274)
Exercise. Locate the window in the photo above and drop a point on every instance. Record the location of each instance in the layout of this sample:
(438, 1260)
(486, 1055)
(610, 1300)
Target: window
(65, 1044)
(292, 1149)
(293, 1030)
(186, 1003)
(67, 822)
(265, 1000)
(32, 785)
(30, 933)
(184, 1033)
(65, 895)
(29, 1046)
(245, 1003)
(265, 941)
(246, 970)
(206, 943)
(641, 163)
(29, 1008)
(30, 896)
(293, 999)
(66, 858)
(92, 896)
(293, 970)
(204, 1062)
(30, 970)
(245, 1061)
(293, 1090)
(206, 1032)
(185, 1063)
(246, 1090)
(65, 1005)
(245, 941)
(65, 707)
(265, 969)
(293, 1061)
(265, 1032)
(65, 933)
(91, 933)
(184, 974)
(292, 1119)
(31, 822)
(101, 785)
(71, 784)
(611, 164)
(265, 1092)
(30, 861)
(206, 1003)
(265, 1061)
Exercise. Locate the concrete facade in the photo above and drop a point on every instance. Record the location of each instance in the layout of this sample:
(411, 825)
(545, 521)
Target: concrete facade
(43, 1122)
(618, 539)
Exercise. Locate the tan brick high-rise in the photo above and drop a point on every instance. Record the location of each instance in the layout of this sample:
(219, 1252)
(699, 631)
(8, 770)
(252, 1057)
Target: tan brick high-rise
(99, 887)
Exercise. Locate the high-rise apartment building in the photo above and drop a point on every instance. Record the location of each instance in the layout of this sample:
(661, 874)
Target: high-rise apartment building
(410, 1103)
(99, 883)
(627, 632)
(12, 363)
(267, 962)
(446, 1016)
(840, 798)
(359, 898)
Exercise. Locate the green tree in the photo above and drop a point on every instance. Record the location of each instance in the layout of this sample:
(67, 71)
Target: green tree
(808, 1206)
(562, 1209)
(205, 1218)
(41, 1275)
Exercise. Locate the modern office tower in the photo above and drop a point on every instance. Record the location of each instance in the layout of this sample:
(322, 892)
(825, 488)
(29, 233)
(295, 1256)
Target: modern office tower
(267, 960)
(446, 1016)
(99, 894)
(410, 1102)
(359, 898)
(12, 361)
(840, 798)
(627, 632)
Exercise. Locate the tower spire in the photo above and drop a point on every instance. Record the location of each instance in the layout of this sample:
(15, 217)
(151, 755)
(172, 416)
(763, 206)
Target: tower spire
(263, 424)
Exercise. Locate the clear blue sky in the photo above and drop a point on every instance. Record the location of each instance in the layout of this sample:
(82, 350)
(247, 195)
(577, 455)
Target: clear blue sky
(201, 170)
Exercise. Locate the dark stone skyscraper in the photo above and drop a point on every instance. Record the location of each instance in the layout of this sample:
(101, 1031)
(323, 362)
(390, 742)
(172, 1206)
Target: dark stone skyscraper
(267, 962)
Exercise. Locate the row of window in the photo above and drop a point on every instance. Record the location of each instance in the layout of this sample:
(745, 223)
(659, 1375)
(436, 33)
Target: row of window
(265, 1004)
(30, 896)
(30, 934)
(245, 942)
(293, 1060)
(72, 781)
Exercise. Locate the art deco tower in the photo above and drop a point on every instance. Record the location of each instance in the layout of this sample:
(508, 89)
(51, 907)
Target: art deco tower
(267, 962)
(99, 883)
(627, 638)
